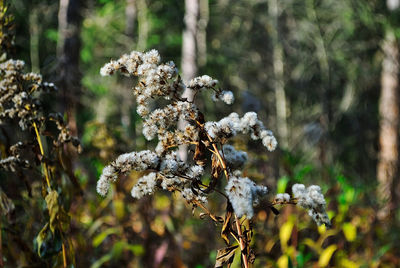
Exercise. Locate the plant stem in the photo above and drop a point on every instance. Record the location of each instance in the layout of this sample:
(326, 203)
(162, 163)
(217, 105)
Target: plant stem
(46, 174)
(242, 244)
(64, 255)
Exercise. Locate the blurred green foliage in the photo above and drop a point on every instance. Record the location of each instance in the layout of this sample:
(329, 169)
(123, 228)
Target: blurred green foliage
(340, 155)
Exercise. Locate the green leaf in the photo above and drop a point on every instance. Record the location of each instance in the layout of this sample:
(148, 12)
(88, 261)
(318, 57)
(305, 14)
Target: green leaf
(281, 185)
(299, 176)
(103, 235)
(101, 261)
(52, 34)
(137, 250)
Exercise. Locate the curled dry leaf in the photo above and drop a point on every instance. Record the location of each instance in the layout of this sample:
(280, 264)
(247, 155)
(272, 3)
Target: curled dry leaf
(226, 226)
(225, 256)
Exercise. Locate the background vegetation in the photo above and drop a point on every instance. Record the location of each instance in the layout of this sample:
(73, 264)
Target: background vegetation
(315, 70)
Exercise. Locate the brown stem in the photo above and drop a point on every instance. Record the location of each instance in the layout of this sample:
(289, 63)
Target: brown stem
(292, 201)
(64, 255)
(206, 210)
(242, 243)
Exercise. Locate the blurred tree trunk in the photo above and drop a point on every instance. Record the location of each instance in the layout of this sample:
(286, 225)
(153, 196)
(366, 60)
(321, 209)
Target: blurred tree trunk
(325, 91)
(189, 52)
(127, 106)
(387, 169)
(130, 17)
(68, 49)
(202, 33)
(34, 32)
(189, 56)
(69, 76)
(143, 25)
(279, 83)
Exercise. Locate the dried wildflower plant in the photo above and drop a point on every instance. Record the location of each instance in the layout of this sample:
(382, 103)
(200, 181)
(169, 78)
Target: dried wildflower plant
(20, 102)
(40, 137)
(168, 172)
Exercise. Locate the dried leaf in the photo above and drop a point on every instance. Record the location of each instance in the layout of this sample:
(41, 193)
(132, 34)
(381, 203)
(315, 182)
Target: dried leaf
(226, 227)
(216, 168)
(216, 171)
(203, 215)
(6, 204)
(225, 256)
(53, 207)
(252, 256)
(201, 149)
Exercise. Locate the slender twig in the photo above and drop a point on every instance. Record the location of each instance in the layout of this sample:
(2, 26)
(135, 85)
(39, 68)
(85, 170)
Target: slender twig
(206, 210)
(292, 201)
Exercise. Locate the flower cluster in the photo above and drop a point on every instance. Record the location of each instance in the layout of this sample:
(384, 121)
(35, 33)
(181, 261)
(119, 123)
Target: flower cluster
(162, 80)
(232, 125)
(206, 142)
(164, 168)
(313, 200)
(16, 101)
(204, 81)
(124, 163)
(282, 198)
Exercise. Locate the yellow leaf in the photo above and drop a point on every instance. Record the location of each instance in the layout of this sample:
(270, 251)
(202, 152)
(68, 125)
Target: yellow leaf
(285, 232)
(283, 261)
(119, 208)
(269, 245)
(350, 231)
(312, 244)
(53, 207)
(41, 237)
(345, 263)
(326, 255)
(321, 229)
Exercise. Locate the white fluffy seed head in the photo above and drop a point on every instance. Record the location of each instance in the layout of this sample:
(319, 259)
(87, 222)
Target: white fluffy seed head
(243, 193)
(285, 197)
(234, 159)
(313, 200)
(145, 186)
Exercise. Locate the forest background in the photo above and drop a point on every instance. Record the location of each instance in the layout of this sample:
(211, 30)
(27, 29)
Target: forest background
(322, 74)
